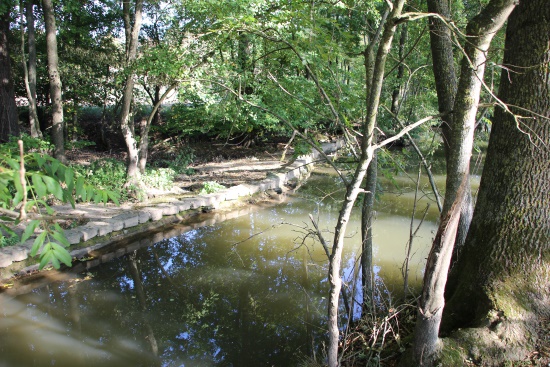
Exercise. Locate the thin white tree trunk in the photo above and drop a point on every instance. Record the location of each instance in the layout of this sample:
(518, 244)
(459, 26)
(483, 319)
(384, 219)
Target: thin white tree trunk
(367, 151)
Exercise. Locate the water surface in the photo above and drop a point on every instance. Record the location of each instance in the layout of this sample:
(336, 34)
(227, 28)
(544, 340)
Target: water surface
(250, 291)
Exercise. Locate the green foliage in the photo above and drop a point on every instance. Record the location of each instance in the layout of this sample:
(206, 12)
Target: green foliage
(31, 144)
(301, 148)
(179, 163)
(159, 178)
(108, 174)
(45, 179)
(211, 187)
(8, 241)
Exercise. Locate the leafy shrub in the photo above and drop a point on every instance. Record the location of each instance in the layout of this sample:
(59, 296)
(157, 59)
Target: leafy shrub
(28, 189)
(8, 241)
(110, 174)
(211, 187)
(31, 145)
(107, 173)
(159, 178)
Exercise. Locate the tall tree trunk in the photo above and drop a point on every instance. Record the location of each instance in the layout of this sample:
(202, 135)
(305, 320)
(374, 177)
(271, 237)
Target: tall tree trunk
(367, 210)
(55, 81)
(353, 189)
(31, 71)
(367, 221)
(501, 283)
(446, 86)
(8, 109)
(397, 94)
(480, 32)
(132, 30)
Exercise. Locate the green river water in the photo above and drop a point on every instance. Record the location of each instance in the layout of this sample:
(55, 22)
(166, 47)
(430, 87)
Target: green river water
(249, 291)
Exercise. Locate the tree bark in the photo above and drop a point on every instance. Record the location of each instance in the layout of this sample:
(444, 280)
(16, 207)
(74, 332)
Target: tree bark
(367, 211)
(480, 32)
(31, 70)
(353, 189)
(8, 110)
(132, 30)
(55, 81)
(501, 283)
(446, 81)
(367, 220)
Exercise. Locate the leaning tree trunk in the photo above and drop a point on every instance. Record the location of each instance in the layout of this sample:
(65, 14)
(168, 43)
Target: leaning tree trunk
(126, 123)
(501, 283)
(480, 32)
(8, 109)
(353, 189)
(55, 81)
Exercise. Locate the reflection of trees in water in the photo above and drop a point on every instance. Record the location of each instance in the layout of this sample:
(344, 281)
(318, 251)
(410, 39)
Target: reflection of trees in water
(200, 301)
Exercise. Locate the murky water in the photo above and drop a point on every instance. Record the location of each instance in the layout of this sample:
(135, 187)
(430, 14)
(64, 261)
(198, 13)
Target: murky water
(249, 291)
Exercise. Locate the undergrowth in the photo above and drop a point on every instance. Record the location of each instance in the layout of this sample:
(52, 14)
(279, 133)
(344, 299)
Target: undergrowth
(110, 174)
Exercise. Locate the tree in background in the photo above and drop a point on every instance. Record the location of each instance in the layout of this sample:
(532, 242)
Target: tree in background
(55, 81)
(132, 27)
(8, 111)
(30, 69)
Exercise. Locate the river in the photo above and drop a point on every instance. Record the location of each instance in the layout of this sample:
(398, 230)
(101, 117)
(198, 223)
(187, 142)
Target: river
(249, 291)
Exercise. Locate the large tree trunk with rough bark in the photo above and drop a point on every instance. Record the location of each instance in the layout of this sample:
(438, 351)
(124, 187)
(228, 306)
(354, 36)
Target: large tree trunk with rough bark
(55, 81)
(8, 109)
(480, 31)
(501, 284)
(132, 29)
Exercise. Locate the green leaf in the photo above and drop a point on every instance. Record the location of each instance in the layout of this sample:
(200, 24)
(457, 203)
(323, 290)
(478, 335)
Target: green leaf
(17, 197)
(62, 254)
(59, 235)
(55, 261)
(17, 182)
(54, 166)
(29, 230)
(69, 178)
(89, 192)
(45, 259)
(40, 160)
(39, 187)
(53, 187)
(113, 196)
(38, 242)
(80, 188)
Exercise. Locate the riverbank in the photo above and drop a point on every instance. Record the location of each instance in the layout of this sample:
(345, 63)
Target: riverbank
(252, 180)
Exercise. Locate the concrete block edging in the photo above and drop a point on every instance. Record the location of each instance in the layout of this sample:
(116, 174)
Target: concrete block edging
(297, 171)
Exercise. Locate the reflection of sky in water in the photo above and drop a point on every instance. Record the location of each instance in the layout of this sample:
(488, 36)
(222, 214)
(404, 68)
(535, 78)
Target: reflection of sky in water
(245, 292)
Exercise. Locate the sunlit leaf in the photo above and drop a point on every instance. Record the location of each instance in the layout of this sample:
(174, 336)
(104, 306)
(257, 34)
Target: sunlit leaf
(29, 230)
(39, 186)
